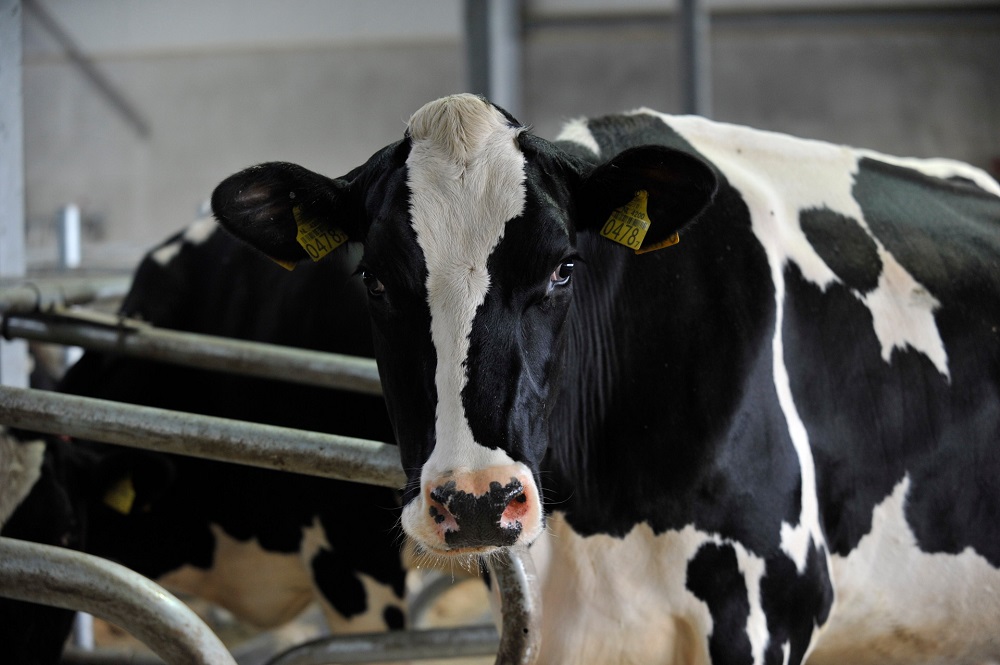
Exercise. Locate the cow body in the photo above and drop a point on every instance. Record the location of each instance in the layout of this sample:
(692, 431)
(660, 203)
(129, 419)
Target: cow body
(263, 544)
(777, 440)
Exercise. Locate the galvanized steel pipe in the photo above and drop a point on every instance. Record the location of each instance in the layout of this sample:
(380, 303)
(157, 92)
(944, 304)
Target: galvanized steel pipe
(76, 581)
(267, 446)
(393, 646)
(520, 604)
(43, 295)
(328, 370)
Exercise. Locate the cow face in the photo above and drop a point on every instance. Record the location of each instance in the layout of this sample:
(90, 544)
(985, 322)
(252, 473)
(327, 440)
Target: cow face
(470, 229)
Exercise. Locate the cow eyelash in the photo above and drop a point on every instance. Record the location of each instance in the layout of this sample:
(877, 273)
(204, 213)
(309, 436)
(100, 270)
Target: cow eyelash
(375, 287)
(562, 274)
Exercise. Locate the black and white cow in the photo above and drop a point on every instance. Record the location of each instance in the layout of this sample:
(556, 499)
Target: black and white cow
(776, 440)
(261, 543)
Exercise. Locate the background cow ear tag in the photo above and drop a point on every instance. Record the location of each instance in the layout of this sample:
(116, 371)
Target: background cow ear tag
(121, 495)
(628, 224)
(317, 240)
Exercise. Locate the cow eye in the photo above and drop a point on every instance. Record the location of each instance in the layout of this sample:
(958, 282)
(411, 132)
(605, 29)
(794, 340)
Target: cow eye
(372, 283)
(560, 276)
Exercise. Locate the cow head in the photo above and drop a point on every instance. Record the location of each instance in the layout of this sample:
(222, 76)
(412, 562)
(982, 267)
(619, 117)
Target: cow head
(470, 227)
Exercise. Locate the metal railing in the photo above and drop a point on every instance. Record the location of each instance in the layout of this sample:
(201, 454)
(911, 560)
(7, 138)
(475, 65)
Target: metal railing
(72, 580)
(137, 339)
(38, 313)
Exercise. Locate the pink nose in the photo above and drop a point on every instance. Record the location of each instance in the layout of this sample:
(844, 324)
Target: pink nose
(470, 519)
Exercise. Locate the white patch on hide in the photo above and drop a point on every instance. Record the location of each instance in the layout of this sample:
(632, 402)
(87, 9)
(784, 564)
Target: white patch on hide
(195, 234)
(20, 469)
(898, 604)
(780, 176)
(166, 253)
(378, 596)
(577, 131)
(624, 600)
(236, 582)
(200, 231)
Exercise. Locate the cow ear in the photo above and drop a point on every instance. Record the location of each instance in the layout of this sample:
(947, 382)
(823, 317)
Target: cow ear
(286, 211)
(644, 196)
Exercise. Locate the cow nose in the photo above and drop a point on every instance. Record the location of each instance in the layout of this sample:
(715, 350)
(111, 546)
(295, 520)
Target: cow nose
(479, 520)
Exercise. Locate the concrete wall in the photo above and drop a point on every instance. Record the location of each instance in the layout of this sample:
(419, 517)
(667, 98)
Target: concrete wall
(332, 97)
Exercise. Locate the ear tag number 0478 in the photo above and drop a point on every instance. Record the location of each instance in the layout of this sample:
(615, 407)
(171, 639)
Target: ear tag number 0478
(628, 225)
(315, 238)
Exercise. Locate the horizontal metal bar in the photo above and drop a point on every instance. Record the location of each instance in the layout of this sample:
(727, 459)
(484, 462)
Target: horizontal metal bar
(73, 580)
(394, 646)
(109, 656)
(943, 16)
(328, 370)
(43, 295)
(266, 446)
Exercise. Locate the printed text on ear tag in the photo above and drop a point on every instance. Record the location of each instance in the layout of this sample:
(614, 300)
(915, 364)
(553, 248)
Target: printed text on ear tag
(628, 225)
(317, 240)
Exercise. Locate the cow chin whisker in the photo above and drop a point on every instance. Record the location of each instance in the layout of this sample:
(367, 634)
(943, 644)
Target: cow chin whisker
(470, 561)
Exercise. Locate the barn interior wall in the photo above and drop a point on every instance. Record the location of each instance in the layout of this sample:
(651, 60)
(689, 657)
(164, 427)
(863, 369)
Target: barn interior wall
(922, 88)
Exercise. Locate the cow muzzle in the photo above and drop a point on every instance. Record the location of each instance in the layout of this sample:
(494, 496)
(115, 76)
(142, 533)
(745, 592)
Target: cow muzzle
(468, 512)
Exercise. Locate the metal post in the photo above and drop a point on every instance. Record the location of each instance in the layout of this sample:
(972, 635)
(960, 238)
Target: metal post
(69, 259)
(695, 57)
(63, 578)
(69, 237)
(493, 37)
(13, 355)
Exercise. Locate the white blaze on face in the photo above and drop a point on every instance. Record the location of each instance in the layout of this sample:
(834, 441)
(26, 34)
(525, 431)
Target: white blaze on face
(466, 179)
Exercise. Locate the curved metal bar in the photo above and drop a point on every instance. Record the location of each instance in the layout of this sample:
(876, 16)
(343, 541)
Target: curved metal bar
(73, 580)
(326, 455)
(520, 603)
(514, 572)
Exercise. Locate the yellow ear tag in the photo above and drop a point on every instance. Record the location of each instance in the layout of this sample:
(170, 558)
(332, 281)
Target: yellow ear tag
(628, 224)
(121, 496)
(672, 240)
(317, 240)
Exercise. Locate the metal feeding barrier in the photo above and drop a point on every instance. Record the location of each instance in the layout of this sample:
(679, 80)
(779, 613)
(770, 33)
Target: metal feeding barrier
(74, 580)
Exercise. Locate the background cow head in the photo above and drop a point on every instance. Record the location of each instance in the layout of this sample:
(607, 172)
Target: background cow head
(470, 227)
